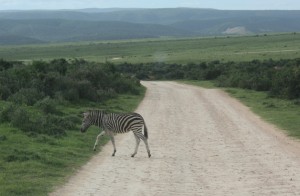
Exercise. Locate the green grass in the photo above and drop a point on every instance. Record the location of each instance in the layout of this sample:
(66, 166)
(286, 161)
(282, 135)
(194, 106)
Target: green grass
(35, 165)
(280, 46)
(285, 114)
(203, 83)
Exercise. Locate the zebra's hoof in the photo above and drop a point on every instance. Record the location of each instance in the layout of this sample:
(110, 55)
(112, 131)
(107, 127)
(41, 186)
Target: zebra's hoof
(149, 155)
(132, 155)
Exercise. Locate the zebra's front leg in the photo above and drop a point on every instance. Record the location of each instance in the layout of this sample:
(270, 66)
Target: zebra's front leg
(97, 139)
(137, 139)
(113, 142)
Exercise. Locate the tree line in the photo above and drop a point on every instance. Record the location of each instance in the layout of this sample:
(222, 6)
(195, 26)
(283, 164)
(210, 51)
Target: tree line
(40, 87)
(280, 78)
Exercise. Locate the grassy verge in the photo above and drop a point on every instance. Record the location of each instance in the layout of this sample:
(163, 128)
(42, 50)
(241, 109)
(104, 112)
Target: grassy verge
(285, 114)
(202, 83)
(34, 165)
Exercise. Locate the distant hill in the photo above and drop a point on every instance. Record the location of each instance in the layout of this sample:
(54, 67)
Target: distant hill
(40, 26)
(58, 30)
(15, 40)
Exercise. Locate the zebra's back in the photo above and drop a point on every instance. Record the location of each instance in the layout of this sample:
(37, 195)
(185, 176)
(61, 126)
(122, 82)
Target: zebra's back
(123, 123)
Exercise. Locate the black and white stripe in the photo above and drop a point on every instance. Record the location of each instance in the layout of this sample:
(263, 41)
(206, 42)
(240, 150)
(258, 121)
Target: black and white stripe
(113, 123)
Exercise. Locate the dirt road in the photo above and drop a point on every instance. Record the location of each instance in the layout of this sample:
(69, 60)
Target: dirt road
(202, 143)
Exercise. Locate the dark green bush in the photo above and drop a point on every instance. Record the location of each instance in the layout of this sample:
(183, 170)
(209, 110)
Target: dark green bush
(71, 95)
(4, 92)
(286, 83)
(106, 94)
(280, 78)
(27, 96)
(86, 90)
(7, 112)
(47, 105)
(49, 125)
(48, 84)
(5, 64)
(21, 119)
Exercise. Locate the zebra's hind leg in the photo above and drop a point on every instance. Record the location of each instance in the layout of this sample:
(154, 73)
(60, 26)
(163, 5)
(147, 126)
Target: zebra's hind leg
(146, 144)
(113, 143)
(97, 139)
(137, 139)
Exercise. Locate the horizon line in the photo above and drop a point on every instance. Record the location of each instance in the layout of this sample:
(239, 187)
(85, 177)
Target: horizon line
(95, 8)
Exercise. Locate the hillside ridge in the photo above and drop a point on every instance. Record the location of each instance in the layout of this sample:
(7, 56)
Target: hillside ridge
(116, 23)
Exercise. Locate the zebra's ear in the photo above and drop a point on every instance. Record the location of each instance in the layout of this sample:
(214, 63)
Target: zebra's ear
(85, 114)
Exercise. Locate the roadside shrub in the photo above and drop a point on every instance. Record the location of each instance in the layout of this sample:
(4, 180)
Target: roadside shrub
(54, 125)
(47, 125)
(27, 96)
(69, 122)
(47, 105)
(20, 118)
(286, 83)
(71, 95)
(86, 90)
(7, 112)
(5, 65)
(4, 92)
(125, 85)
(60, 65)
(106, 94)
(262, 84)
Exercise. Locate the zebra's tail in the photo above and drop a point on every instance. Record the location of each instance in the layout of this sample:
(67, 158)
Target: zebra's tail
(145, 131)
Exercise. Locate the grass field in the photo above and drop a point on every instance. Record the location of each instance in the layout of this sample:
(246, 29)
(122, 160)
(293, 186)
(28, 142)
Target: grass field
(167, 50)
(285, 114)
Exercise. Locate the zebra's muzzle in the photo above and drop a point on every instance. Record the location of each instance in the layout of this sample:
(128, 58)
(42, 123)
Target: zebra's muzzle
(82, 129)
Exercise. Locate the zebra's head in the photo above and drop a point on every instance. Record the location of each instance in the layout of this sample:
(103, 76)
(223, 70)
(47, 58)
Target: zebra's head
(86, 122)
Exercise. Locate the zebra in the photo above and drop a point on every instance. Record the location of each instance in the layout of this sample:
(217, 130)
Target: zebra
(113, 123)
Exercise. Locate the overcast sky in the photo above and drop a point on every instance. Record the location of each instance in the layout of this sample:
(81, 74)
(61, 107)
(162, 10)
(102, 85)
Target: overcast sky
(217, 4)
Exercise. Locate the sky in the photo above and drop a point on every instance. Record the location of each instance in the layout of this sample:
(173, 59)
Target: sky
(216, 4)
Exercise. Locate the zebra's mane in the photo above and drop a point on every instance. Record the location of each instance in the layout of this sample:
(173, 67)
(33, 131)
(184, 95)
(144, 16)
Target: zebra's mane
(96, 110)
(90, 111)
